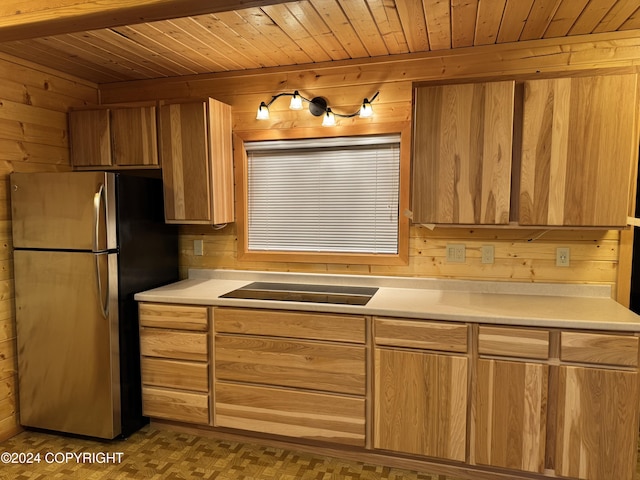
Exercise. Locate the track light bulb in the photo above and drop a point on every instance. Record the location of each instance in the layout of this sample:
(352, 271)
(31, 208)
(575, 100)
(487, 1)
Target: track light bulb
(329, 119)
(366, 110)
(296, 101)
(263, 112)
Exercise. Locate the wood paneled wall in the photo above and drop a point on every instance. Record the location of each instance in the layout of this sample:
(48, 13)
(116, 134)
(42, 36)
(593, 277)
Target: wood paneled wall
(33, 137)
(520, 255)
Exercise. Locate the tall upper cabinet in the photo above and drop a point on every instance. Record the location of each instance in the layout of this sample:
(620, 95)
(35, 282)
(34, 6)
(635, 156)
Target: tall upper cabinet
(197, 162)
(463, 138)
(579, 145)
(114, 137)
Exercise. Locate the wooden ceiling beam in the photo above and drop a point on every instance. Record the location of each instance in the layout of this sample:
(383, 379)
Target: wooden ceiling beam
(20, 20)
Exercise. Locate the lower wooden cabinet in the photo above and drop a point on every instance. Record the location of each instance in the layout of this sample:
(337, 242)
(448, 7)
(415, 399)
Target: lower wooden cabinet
(526, 401)
(295, 374)
(174, 344)
(511, 414)
(597, 423)
(421, 403)
(420, 396)
(539, 410)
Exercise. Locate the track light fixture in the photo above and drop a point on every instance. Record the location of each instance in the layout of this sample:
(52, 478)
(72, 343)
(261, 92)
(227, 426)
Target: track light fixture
(317, 107)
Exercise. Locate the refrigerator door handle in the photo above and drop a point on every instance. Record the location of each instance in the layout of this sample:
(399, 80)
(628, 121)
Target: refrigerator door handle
(103, 297)
(98, 199)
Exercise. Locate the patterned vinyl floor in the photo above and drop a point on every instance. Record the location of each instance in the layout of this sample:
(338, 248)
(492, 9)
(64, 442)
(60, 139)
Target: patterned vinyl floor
(164, 455)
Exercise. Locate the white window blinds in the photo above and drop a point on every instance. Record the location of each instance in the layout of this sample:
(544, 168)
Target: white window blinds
(324, 195)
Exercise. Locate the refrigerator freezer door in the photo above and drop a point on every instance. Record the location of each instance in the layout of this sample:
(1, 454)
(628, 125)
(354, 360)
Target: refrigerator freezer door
(68, 363)
(68, 211)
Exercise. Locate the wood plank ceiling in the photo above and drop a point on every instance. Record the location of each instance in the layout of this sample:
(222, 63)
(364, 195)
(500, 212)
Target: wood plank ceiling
(313, 31)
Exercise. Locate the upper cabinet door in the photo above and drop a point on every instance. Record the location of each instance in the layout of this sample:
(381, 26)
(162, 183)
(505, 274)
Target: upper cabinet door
(134, 137)
(579, 143)
(185, 162)
(197, 162)
(463, 138)
(90, 138)
(114, 137)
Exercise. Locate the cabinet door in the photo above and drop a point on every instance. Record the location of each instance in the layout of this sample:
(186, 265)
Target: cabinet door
(134, 139)
(185, 162)
(510, 420)
(579, 143)
(420, 403)
(597, 425)
(90, 138)
(462, 153)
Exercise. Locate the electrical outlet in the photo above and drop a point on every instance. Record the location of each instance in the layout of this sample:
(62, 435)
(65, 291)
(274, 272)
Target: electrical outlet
(198, 247)
(487, 253)
(562, 257)
(456, 253)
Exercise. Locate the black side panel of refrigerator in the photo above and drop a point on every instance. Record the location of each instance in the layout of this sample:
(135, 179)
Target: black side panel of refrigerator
(148, 258)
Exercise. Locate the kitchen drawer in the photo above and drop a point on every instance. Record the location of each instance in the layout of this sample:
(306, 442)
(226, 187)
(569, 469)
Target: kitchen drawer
(291, 363)
(157, 342)
(513, 342)
(175, 374)
(314, 416)
(277, 323)
(175, 405)
(447, 337)
(180, 317)
(597, 348)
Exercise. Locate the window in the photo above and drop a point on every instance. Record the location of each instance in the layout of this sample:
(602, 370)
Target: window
(334, 200)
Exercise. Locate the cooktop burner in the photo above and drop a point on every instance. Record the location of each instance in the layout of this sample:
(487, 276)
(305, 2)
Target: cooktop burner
(295, 292)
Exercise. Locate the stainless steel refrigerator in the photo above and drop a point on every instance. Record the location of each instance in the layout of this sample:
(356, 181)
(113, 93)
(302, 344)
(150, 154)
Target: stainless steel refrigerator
(84, 244)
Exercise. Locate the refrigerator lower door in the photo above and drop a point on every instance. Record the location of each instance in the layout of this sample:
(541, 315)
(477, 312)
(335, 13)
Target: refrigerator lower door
(67, 335)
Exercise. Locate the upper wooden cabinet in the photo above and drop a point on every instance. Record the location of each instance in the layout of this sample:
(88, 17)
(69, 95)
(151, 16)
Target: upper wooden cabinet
(462, 153)
(114, 137)
(579, 142)
(197, 162)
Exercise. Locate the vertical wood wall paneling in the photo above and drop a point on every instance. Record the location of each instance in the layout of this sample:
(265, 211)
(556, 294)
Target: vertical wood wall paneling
(33, 137)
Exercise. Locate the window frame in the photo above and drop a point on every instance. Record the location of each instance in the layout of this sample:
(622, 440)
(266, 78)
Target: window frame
(242, 201)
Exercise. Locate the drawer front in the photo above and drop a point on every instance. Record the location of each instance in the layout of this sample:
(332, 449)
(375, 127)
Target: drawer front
(180, 317)
(291, 363)
(599, 348)
(312, 326)
(513, 342)
(175, 405)
(157, 342)
(175, 374)
(314, 416)
(447, 337)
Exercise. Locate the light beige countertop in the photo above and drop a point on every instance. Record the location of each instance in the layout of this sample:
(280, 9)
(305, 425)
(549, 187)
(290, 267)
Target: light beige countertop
(504, 303)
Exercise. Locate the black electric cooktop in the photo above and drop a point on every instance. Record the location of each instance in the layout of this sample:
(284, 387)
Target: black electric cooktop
(295, 292)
